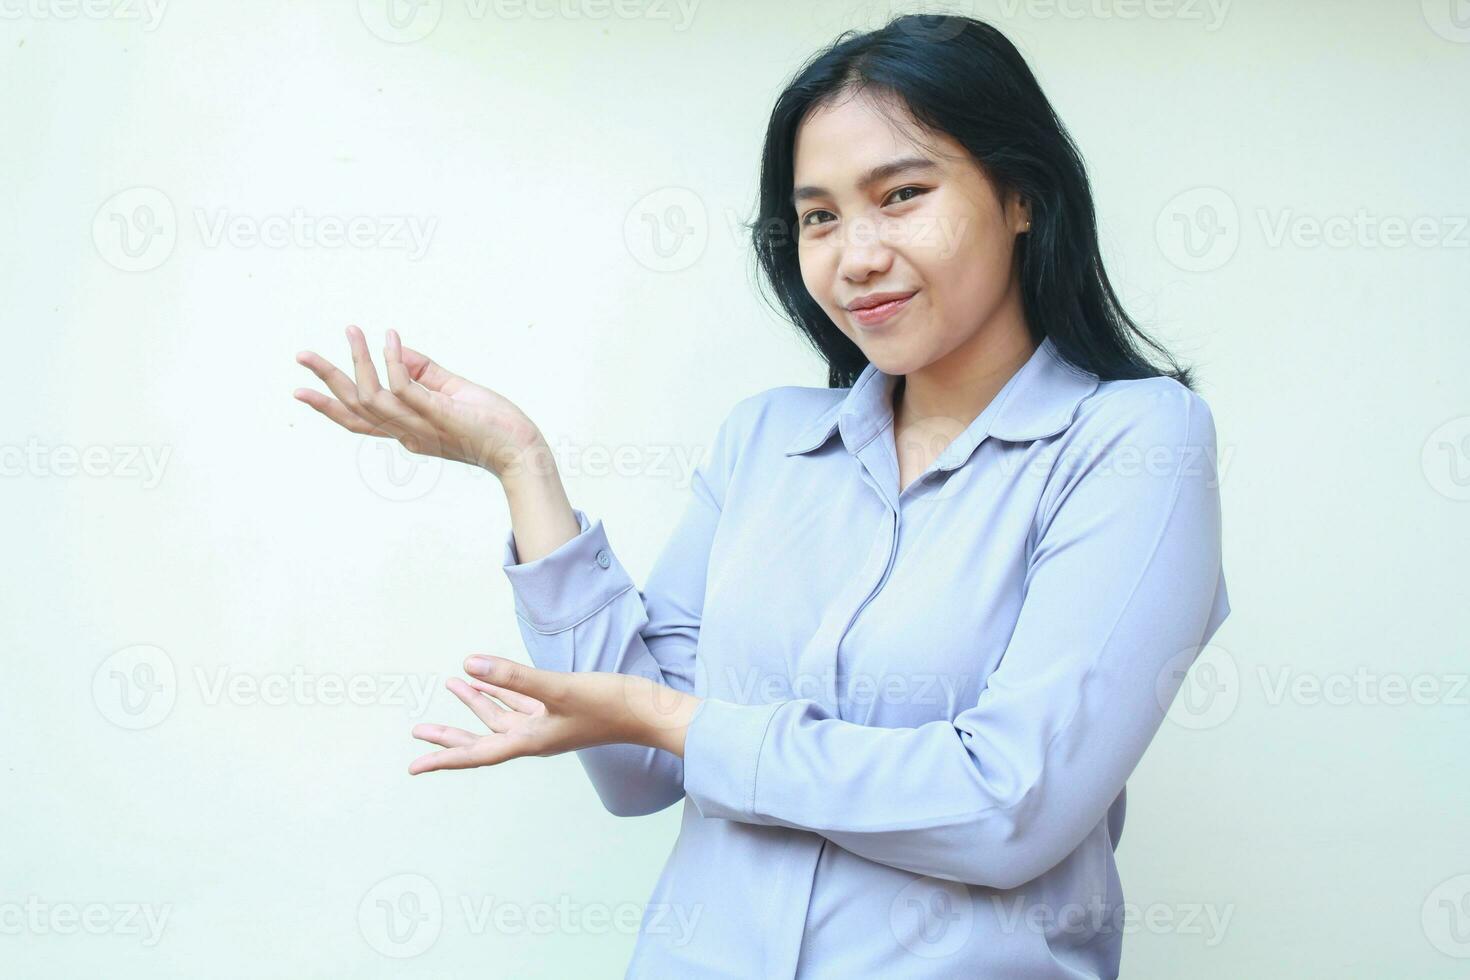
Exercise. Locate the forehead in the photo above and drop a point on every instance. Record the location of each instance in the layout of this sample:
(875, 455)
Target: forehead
(838, 141)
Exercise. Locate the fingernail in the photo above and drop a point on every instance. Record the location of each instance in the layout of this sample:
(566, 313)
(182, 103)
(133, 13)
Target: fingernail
(478, 665)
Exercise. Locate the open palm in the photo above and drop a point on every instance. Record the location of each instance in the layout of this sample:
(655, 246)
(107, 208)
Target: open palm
(429, 410)
(536, 712)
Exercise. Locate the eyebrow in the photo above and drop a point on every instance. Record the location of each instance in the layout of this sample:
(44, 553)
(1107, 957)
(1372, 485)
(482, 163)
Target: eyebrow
(881, 172)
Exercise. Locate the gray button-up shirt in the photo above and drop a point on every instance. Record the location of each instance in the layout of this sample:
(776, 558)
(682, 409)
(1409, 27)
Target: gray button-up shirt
(921, 706)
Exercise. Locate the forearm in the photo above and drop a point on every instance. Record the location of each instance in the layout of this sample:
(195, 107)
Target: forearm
(541, 516)
(580, 615)
(579, 611)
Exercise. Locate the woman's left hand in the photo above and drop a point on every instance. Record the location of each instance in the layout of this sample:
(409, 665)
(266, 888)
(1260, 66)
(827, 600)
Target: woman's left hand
(548, 712)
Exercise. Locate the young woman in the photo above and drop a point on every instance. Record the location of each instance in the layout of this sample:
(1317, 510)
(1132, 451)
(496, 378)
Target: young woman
(913, 630)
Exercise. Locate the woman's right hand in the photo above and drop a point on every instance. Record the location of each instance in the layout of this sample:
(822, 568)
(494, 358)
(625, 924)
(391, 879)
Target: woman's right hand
(429, 410)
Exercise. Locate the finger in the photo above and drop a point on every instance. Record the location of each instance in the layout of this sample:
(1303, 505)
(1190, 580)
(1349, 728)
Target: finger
(427, 403)
(515, 700)
(496, 718)
(382, 406)
(337, 412)
(403, 423)
(336, 380)
(362, 365)
(346, 391)
(485, 752)
(546, 686)
(445, 735)
(398, 377)
(425, 371)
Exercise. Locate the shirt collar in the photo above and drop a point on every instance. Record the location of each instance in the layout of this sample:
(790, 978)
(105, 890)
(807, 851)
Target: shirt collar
(1039, 400)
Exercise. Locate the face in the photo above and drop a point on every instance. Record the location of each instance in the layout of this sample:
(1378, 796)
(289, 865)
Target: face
(934, 227)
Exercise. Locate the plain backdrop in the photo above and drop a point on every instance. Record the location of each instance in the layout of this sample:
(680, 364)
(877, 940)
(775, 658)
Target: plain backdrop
(221, 614)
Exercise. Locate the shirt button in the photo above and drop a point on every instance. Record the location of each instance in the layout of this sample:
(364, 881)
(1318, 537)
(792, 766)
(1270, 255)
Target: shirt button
(602, 558)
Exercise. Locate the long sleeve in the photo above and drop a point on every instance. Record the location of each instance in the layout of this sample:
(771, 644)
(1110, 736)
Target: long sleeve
(578, 610)
(1123, 588)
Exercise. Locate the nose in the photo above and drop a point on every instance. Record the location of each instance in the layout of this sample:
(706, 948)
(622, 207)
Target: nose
(864, 252)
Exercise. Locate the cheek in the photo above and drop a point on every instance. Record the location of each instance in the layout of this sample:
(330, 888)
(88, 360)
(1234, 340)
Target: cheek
(970, 265)
(818, 269)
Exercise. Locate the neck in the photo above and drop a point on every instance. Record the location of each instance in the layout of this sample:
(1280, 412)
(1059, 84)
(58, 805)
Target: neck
(959, 386)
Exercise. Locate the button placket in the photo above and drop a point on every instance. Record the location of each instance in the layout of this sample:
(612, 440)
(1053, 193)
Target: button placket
(819, 663)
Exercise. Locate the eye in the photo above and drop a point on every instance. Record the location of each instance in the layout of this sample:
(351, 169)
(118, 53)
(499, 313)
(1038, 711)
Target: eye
(910, 187)
(805, 223)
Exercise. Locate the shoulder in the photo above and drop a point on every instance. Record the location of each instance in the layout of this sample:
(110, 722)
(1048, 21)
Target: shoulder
(753, 435)
(1139, 439)
(774, 416)
(1154, 410)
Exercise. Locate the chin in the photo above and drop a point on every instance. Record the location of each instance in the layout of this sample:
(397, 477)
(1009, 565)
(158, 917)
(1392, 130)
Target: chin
(893, 361)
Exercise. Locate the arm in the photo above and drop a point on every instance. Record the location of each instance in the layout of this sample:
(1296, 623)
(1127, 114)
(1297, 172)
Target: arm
(563, 593)
(1125, 577)
(576, 613)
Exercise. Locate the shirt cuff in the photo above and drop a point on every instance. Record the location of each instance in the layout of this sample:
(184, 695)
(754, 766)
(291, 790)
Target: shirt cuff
(722, 747)
(560, 589)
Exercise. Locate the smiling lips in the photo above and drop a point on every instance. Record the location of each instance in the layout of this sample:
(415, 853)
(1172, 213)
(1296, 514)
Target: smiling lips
(877, 307)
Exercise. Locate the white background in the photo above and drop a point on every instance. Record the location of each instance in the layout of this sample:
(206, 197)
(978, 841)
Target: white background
(264, 545)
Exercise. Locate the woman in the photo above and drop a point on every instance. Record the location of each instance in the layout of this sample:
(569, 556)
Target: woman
(915, 629)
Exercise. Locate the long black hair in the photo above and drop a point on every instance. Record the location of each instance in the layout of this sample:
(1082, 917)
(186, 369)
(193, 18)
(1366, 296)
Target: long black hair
(962, 77)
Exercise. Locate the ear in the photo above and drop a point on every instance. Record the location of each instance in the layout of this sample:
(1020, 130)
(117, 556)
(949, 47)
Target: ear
(1018, 213)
